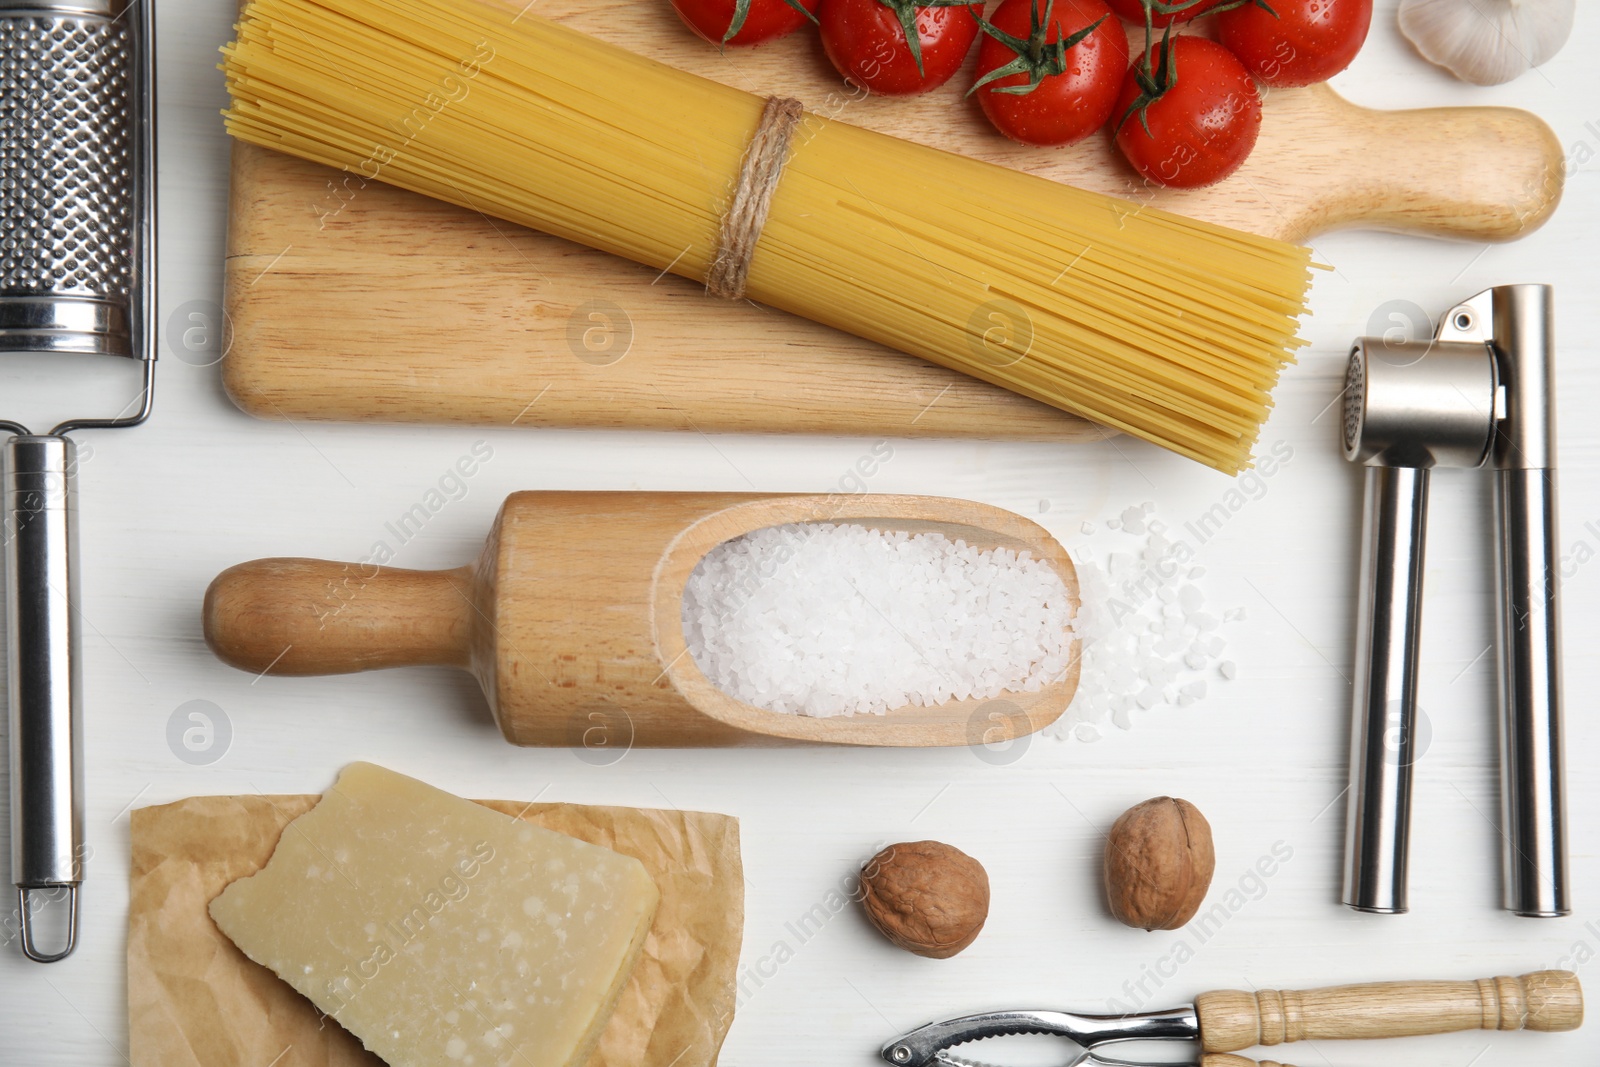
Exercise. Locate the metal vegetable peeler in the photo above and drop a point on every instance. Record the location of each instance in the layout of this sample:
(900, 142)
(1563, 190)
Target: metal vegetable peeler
(1229, 1020)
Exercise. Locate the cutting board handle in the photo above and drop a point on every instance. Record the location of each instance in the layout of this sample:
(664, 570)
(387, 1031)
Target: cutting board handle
(1231, 1019)
(313, 616)
(1476, 173)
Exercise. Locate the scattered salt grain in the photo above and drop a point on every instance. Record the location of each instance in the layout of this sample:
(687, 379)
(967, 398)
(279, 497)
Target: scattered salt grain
(1228, 669)
(822, 619)
(1148, 641)
(1086, 529)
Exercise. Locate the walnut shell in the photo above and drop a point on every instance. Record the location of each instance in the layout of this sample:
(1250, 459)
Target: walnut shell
(925, 896)
(1159, 862)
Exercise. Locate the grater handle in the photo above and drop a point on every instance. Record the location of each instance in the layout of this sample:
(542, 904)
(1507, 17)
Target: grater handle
(45, 691)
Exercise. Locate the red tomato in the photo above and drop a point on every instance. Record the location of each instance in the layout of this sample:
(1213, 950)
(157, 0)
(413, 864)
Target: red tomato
(868, 43)
(1202, 124)
(744, 22)
(1309, 40)
(1073, 89)
(1133, 11)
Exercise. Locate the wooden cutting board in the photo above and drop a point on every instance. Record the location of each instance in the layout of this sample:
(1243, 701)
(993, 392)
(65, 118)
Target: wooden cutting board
(354, 301)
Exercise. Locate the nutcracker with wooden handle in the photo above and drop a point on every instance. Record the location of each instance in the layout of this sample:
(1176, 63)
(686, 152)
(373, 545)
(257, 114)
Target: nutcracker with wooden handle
(1227, 1021)
(1479, 391)
(77, 278)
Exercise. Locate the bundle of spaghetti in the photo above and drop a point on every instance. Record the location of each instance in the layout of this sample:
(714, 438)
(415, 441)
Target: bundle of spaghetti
(1165, 327)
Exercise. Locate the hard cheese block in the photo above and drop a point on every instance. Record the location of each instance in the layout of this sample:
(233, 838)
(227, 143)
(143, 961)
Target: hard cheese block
(440, 933)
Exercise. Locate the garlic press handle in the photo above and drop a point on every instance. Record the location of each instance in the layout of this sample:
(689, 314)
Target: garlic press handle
(1410, 406)
(1384, 700)
(1518, 323)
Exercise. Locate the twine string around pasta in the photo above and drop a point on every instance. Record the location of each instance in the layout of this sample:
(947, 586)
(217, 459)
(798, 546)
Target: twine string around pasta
(759, 175)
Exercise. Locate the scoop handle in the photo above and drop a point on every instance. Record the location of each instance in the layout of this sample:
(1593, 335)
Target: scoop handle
(312, 616)
(1225, 1059)
(1544, 1000)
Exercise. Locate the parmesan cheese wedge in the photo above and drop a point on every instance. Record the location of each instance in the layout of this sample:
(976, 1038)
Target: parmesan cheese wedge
(439, 932)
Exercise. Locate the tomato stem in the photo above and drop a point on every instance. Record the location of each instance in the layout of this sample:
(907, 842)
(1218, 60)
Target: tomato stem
(1156, 79)
(741, 12)
(1038, 57)
(905, 11)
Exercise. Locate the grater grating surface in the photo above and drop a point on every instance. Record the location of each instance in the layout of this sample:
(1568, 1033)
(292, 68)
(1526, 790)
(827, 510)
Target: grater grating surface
(66, 160)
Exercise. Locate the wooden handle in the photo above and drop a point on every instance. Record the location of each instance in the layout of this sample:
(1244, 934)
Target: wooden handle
(1479, 173)
(1224, 1059)
(311, 616)
(1544, 1000)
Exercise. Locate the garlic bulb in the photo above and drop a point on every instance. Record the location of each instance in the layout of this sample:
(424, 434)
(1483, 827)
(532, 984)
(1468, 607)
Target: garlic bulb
(1487, 42)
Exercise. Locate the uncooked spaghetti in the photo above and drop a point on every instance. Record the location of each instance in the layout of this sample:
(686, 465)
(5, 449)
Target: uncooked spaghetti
(1169, 328)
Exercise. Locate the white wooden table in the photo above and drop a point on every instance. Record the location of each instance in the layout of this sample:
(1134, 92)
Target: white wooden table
(202, 487)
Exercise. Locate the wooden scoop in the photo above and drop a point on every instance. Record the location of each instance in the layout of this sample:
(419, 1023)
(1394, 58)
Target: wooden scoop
(571, 619)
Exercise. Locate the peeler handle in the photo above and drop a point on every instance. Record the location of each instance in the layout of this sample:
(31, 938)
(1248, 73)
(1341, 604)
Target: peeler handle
(313, 616)
(1543, 1000)
(45, 692)
(1384, 698)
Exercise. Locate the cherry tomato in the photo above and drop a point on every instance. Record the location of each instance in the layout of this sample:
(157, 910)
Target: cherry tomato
(1072, 89)
(1133, 11)
(867, 42)
(1309, 41)
(1202, 123)
(756, 20)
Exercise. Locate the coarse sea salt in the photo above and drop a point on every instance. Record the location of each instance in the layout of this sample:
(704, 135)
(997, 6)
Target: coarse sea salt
(823, 619)
(1148, 641)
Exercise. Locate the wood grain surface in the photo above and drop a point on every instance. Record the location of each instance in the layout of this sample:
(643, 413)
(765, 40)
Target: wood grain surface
(572, 620)
(1550, 1001)
(351, 300)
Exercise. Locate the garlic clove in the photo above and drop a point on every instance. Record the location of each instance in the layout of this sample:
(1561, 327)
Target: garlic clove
(1487, 42)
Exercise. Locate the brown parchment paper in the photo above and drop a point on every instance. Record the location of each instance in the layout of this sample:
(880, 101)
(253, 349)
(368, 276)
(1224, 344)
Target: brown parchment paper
(194, 1000)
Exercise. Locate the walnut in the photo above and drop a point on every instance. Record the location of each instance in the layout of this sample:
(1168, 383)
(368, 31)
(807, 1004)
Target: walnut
(1159, 861)
(925, 896)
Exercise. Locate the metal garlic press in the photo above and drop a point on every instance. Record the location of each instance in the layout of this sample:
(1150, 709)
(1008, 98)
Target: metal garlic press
(1230, 1020)
(77, 278)
(1478, 392)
